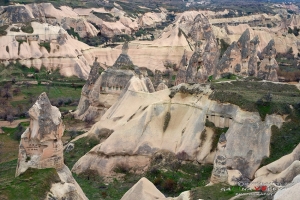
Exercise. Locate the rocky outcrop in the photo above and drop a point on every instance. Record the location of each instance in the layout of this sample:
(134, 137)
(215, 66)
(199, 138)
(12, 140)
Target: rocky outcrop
(174, 120)
(124, 61)
(206, 55)
(219, 173)
(41, 146)
(240, 58)
(268, 66)
(161, 86)
(64, 52)
(290, 191)
(181, 74)
(101, 91)
(145, 190)
(68, 188)
(281, 171)
(15, 14)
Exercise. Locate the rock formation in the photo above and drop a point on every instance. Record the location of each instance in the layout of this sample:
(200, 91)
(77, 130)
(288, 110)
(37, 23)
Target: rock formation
(145, 190)
(206, 55)
(68, 188)
(281, 171)
(174, 120)
(240, 58)
(290, 191)
(41, 146)
(181, 74)
(124, 61)
(219, 173)
(101, 91)
(268, 66)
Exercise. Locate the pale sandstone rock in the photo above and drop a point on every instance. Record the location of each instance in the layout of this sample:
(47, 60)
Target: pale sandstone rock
(144, 123)
(68, 188)
(268, 66)
(145, 190)
(290, 191)
(161, 86)
(240, 58)
(281, 171)
(41, 145)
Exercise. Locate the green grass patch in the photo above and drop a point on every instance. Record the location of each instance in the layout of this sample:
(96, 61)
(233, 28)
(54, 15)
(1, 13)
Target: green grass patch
(216, 192)
(46, 45)
(245, 94)
(82, 146)
(27, 28)
(3, 30)
(33, 184)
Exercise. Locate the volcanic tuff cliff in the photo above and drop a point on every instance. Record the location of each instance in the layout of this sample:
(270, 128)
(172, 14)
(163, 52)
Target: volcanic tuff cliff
(101, 91)
(41, 147)
(174, 120)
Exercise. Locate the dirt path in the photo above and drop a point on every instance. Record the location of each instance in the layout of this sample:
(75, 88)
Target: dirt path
(13, 124)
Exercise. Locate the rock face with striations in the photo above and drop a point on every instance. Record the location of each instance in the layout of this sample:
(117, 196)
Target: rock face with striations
(174, 120)
(41, 146)
(268, 66)
(206, 55)
(240, 58)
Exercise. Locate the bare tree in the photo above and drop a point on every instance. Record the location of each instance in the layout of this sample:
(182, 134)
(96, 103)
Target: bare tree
(10, 118)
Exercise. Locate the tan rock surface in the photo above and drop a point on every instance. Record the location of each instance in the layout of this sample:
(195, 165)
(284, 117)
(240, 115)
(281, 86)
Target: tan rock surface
(144, 123)
(68, 188)
(41, 145)
(281, 171)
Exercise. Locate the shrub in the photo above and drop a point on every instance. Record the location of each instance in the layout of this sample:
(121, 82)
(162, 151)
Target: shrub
(46, 45)
(13, 29)
(169, 185)
(27, 28)
(122, 168)
(167, 121)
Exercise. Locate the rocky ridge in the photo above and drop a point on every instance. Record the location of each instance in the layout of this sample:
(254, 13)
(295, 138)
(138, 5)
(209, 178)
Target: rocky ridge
(152, 123)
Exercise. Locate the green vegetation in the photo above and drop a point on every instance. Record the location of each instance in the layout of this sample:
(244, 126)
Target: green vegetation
(217, 133)
(285, 139)
(46, 45)
(33, 184)
(245, 94)
(105, 16)
(71, 31)
(3, 30)
(166, 121)
(223, 45)
(82, 146)
(216, 192)
(27, 28)
(13, 29)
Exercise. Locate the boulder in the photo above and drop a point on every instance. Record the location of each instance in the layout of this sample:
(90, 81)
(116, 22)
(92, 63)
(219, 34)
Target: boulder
(41, 146)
